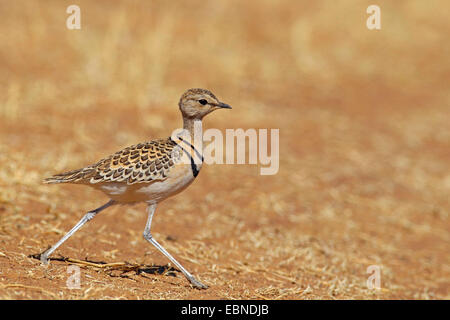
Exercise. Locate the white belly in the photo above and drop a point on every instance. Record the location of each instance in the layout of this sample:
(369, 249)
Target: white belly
(155, 191)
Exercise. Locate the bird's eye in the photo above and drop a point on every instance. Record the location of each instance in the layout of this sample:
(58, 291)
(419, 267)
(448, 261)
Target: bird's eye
(203, 101)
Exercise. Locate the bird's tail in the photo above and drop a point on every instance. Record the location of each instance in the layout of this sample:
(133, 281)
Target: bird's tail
(67, 177)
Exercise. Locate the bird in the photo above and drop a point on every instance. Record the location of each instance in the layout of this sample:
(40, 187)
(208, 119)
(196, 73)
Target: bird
(148, 172)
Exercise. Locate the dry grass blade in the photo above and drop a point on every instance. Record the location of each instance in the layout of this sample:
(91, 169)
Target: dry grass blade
(22, 286)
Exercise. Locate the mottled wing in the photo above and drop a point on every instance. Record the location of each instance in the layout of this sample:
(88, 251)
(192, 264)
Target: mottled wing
(140, 163)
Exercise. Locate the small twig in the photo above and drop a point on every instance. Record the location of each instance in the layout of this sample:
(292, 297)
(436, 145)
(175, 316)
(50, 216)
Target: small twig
(116, 266)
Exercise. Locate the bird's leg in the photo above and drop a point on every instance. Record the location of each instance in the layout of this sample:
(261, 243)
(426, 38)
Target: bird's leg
(88, 216)
(148, 236)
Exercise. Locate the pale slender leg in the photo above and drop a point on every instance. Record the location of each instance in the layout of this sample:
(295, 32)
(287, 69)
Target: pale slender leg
(88, 216)
(148, 236)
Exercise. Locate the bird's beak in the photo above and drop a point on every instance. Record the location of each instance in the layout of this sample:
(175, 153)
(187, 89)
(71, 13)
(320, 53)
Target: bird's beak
(223, 105)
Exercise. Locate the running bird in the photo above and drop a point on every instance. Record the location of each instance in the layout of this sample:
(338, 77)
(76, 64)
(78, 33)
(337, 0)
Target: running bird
(149, 172)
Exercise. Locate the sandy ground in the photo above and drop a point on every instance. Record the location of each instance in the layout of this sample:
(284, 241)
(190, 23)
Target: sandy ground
(363, 179)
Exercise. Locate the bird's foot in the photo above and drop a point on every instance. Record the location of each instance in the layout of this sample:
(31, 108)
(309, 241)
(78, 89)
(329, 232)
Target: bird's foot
(197, 284)
(44, 258)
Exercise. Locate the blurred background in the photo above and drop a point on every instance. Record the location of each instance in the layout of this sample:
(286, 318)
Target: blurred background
(364, 127)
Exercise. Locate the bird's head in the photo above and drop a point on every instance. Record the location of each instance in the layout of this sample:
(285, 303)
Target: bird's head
(197, 103)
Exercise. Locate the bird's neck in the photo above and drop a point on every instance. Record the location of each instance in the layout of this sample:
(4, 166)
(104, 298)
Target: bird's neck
(194, 127)
(192, 134)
